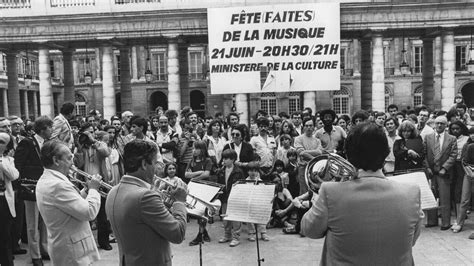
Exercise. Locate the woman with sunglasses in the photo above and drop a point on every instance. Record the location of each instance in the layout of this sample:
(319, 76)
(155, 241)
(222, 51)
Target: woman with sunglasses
(244, 150)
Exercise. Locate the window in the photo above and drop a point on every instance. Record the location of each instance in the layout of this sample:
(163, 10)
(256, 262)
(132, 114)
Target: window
(4, 62)
(83, 67)
(24, 66)
(158, 62)
(388, 97)
(293, 102)
(418, 96)
(343, 58)
(117, 73)
(340, 101)
(418, 59)
(195, 56)
(461, 57)
(81, 108)
(268, 103)
(51, 68)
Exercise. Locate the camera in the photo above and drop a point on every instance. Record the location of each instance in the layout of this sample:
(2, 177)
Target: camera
(85, 140)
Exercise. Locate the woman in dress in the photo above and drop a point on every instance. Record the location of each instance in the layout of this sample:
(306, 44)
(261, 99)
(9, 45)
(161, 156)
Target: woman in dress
(408, 150)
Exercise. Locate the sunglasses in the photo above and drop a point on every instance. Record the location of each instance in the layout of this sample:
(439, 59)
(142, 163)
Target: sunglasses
(235, 134)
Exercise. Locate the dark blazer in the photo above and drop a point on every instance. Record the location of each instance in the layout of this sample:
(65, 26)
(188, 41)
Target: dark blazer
(246, 152)
(402, 160)
(236, 175)
(27, 159)
(448, 152)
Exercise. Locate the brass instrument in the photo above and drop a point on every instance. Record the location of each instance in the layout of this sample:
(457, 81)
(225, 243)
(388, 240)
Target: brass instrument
(192, 202)
(328, 167)
(104, 187)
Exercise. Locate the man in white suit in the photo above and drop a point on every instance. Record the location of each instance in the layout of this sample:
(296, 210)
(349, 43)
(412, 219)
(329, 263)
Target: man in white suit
(65, 211)
(369, 220)
(61, 128)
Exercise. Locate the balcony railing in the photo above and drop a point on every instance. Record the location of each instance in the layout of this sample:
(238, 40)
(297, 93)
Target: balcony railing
(15, 4)
(72, 3)
(123, 2)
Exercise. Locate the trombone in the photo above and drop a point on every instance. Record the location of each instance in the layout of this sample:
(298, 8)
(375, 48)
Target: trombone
(104, 187)
(211, 207)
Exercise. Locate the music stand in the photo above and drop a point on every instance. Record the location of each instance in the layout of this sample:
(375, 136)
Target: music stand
(251, 202)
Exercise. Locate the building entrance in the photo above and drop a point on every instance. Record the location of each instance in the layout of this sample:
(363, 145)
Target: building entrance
(198, 102)
(158, 98)
(468, 94)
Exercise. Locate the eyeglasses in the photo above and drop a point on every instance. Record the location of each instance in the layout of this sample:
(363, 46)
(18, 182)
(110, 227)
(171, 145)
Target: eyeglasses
(235, 134)
(310, 125)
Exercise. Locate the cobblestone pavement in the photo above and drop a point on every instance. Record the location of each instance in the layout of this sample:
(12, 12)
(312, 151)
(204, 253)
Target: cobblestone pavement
(434, 247)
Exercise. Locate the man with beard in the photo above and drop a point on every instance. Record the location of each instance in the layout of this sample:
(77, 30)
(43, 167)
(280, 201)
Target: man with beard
(265, 147)
(166, 139)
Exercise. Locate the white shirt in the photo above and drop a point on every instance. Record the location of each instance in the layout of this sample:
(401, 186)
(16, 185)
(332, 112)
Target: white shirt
(237, 149)
(40, 140)
(441, 139)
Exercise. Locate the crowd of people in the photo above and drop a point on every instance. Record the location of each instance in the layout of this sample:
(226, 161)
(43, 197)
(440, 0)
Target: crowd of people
(186, 147)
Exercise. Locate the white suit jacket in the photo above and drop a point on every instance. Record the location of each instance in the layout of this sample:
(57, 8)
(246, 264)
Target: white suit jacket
(66, 215)
(9, 173)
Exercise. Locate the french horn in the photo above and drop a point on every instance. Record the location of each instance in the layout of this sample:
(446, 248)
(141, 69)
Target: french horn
(328, 167)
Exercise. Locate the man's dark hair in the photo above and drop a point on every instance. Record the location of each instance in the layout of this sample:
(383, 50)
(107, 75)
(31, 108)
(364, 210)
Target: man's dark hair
(171, 114)
(74, 123)
(42, 123)
(310, 111)
(283, 115)
(306, 119)
(50, 149)
(67, 108)
(391, 106)
(367, 147)
(360, 114)
(229, 154)
(106, 128)
(295, 113)
(190, 114)
(232, 114)
(262, 121)
(461, 106)
(262, 112)
(140, 122)
(395, 121)
(135, 152)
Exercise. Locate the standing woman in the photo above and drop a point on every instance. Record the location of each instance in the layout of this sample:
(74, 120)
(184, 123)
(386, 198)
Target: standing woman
(276, 125)
(271, 126)
(8, 173)
(460, 131)
(243, 149)
(287, 128)
(155, 125)
(215, 141)
(408, 150)
(199, 168)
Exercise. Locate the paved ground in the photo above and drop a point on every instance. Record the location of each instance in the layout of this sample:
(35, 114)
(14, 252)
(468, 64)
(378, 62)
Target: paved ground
(434, 247)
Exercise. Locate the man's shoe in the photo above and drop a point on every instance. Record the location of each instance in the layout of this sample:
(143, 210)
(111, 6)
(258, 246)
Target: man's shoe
(19, 251)
(37, 262)
(224, 240)
(471, 236)
(45, 257)
(444, 228)
(430, 225)
(290, 230)
(195, 241)
(265, 237)
(251, 238)
(205, 236)
(106, 247)
(234, 243)
(456, 228)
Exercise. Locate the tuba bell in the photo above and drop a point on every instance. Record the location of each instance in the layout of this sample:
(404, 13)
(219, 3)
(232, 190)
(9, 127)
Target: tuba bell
(328, 167)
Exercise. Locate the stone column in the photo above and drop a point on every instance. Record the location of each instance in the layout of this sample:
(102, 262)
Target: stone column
(97, 66)
(125, 87)
(5, 102)
(242, 107)
(356, 57)
(378, 83)
(13, 89)
(438, 55)
(309, 100)
(45, 88)
(35, 103)
(108, 90)
(75, 71)
(448, 70)
(141, 62)
(134, 64)
(397, 52)
(174, 90)
(25, 103)
(68, 76)
(366, 75)
(428, 81)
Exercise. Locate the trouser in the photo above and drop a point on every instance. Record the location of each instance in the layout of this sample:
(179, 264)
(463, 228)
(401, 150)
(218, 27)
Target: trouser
(103, 225)
(261, 228)
(36, 230)
(18, 222)
(6, 225)
(457, 180)
(443, 186)
(231, 228)
(465, 198)
(302, 179)
(300, 213)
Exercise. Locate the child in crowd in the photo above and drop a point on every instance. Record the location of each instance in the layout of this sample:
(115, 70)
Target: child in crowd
(292, 170)
(284, 147)
(254, 175)
(170, 176)
(229, 175)
(279, 176)
(282, 208)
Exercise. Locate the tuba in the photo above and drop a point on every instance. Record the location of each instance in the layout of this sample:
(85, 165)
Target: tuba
(328, 167)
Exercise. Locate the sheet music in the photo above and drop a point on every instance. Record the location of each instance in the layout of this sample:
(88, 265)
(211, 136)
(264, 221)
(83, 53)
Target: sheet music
(201, 191)
(250, 203)
(428, 200)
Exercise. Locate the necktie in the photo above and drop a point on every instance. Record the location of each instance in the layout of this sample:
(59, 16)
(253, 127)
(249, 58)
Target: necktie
(437, 149)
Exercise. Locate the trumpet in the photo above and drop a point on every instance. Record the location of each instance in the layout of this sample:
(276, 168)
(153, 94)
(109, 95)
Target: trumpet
(195, 206)
(104, 187)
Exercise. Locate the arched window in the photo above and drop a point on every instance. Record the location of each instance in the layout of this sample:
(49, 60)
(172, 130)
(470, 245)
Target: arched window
(388, 97)
(268, 103)
(81, 107)
(293, 102)
(418, 96)
(340, 101)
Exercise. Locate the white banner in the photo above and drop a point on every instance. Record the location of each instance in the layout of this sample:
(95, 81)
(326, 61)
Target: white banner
(276, 48)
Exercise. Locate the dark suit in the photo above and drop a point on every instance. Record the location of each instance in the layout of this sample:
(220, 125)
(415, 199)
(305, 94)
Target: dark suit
(236, 175)
(143, 226)
(246, 151)
(441, 183)
(27, 159)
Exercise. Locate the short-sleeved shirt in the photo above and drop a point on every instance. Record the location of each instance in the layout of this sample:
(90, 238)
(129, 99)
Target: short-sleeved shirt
(329, 141)
(264, 149)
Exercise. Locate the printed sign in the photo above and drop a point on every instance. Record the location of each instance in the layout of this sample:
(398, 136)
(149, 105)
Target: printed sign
(276, 48)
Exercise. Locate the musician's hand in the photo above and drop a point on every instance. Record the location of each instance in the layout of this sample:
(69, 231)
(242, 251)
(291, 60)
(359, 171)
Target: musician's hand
(442, 172)
(280, 213)
(94, 183)
(180, 192)
(297, 203)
